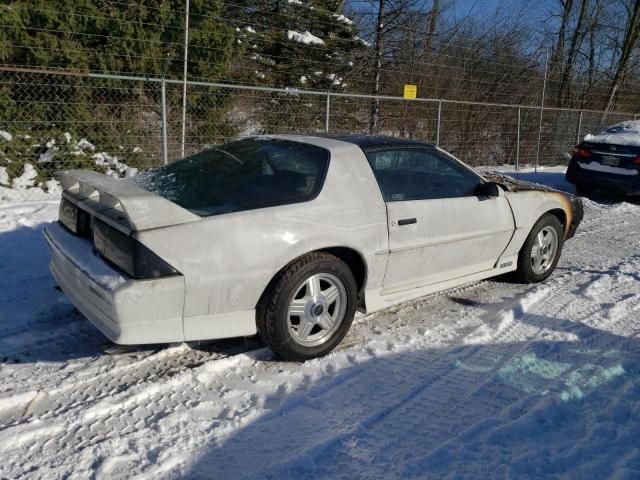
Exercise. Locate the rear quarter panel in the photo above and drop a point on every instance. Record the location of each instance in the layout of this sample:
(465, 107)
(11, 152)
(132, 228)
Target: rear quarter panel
(228, 260)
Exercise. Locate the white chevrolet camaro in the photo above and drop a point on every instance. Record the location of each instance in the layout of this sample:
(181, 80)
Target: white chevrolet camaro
(287, 236)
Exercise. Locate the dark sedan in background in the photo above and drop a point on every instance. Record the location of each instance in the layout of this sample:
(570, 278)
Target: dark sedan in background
(608, 162)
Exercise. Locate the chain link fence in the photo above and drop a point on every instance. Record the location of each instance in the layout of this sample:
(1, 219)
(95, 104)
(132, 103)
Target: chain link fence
(52, 121)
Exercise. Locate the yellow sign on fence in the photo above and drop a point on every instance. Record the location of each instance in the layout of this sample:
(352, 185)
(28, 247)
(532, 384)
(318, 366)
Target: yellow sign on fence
(410, 91)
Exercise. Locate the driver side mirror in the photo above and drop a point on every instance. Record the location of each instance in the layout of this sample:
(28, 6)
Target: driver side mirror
(487, 189)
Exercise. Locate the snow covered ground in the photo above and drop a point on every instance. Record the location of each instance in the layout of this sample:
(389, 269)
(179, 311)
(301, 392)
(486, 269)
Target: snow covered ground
(493, 380)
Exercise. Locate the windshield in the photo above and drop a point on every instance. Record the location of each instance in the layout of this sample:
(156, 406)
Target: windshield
(241, 175)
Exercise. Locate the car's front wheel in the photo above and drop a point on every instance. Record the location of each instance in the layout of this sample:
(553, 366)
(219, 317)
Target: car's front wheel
(541, 251)
(308, 308)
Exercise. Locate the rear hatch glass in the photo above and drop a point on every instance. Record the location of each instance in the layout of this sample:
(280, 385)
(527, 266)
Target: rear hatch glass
(241, 175)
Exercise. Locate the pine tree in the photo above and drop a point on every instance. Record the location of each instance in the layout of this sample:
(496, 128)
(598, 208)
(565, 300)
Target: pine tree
(291, 44)
(139, 38)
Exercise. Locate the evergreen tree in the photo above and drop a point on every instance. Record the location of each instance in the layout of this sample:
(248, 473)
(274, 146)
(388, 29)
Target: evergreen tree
(130, 37)
(288, 43)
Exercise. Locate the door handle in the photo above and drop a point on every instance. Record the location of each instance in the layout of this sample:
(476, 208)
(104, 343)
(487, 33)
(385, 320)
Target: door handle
(407, 221)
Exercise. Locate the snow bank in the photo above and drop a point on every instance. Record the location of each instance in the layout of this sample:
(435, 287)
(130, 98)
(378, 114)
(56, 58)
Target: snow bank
(4, 176)
(48, 155)
(24, 187)
(27, 179)
(493, 379)
(83, 144)
(335, 79)
(114, 164)
(6, 135)
(624, 133)
(307, 38)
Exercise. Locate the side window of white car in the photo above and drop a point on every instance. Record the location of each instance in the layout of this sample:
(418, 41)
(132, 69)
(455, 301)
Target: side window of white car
(420, 174)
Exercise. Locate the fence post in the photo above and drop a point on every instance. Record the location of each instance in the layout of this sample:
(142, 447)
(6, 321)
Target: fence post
(438, 126)
(579, 126)
(326, 113)
(163, 99)
(518, 143)
(544, 88)
(184, 80)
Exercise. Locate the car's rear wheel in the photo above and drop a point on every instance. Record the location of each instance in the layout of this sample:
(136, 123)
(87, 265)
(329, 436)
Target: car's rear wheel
(308, 308)
(541, 251)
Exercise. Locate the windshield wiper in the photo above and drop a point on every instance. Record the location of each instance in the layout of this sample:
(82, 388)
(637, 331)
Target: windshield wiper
(230, 154)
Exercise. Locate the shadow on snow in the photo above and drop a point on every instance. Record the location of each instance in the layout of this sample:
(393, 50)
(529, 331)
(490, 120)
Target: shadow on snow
(525, 410)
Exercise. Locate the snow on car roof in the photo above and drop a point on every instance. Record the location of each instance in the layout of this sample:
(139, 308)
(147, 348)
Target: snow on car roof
(624, 133)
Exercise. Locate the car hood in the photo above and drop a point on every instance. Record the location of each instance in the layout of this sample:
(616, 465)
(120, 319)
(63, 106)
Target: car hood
(513, 185)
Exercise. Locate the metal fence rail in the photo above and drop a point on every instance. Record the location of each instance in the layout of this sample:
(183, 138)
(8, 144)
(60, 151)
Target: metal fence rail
(113, 123)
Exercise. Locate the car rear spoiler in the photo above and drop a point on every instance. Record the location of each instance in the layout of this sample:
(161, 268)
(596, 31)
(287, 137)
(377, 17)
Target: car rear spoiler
(121, 203)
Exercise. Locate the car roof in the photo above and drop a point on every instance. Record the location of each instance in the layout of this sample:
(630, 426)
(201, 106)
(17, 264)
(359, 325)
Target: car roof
(372, 142)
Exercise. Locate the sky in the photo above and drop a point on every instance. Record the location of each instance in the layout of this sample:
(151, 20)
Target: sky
(479, 7)
(464, 7)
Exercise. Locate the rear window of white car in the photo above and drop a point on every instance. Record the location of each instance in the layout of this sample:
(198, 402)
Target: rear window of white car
(241, 175)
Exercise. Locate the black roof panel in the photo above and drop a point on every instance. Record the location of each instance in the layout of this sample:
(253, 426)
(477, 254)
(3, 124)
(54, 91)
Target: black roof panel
(376, 141)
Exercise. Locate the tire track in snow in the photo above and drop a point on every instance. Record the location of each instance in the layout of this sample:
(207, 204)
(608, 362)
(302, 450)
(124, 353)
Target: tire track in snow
(153, 418)
(435, 392)
(442, 382)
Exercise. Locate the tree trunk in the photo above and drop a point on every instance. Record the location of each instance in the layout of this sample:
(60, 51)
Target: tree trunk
(591, 73)
(431, 29)
(631, 35)
(576, 40)
(375, 103)
(558, 52)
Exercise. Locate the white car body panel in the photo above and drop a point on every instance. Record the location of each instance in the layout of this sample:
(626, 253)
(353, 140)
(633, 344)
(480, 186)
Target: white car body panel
(451, 238)
(227, 261)
(124, 205)
(125, 310)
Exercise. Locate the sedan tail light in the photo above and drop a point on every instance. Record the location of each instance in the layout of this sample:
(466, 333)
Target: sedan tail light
(581, 151)
(127, 254)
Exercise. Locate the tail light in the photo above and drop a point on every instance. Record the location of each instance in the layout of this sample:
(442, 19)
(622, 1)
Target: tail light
(127, 254)
(581, 152)
(637, 160)
(75, 219)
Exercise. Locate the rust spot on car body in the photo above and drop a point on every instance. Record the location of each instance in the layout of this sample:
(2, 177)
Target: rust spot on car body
(571, 205)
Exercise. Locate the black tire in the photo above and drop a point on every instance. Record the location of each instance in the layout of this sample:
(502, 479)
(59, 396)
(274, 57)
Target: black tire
(526, 272)
(272, 314)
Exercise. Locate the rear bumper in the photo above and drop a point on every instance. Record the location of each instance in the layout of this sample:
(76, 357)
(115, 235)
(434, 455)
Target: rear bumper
(624, 184)
(127, 311)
